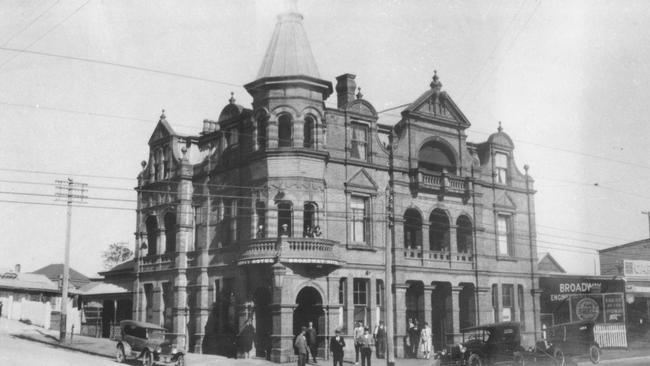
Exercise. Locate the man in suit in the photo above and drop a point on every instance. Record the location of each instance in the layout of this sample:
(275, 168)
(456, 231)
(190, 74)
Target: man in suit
(312, 341)
(337, 345)
(301, 347)
(366, 347)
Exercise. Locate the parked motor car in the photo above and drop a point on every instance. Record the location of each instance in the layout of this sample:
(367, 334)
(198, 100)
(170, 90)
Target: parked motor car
(568, 339)
(148, 343)
(483, 345)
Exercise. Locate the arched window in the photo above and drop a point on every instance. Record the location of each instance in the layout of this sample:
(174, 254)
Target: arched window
(436, 157)
(308, 132)
(284, 219)
(464, 234)
(438, 231)
(412, 229)
(261, 132)
(170, 233)
(152, 235)
(284, 130)
(309, 219)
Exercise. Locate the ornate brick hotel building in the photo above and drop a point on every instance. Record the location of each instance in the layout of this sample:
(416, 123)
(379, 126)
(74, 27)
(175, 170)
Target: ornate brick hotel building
(281, 213)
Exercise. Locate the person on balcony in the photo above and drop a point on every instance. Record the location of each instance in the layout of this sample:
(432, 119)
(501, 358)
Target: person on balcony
(260, 232)
(317, 232)
(307, 233)
(284, 230)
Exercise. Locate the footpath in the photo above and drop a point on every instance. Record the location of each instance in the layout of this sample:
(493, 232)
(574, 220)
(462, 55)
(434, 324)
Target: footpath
(638, 353)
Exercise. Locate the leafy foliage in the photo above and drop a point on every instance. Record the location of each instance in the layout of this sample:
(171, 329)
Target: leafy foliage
(116, 254)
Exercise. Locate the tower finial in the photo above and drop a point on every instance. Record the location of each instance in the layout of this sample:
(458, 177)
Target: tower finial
(435, 83)
(359, 95)
(232, 98)
(500, 128)
(162, 115)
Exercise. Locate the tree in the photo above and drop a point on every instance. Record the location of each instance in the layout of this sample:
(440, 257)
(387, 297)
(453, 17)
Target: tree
(116, 254)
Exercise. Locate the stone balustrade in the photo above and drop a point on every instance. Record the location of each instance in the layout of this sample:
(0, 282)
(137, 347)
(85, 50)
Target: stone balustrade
(290, 250)
(157, 262)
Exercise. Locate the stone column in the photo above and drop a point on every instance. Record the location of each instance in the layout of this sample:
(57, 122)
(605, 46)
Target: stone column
(372, 302)
(453, 242)
(428, 306)
(400, 318)
(282, 314)
(158, 305)
(271, 220)
(455, 310)
(255, 133)
(202, 306)
(298, 132)
(162, 242)
(484, 305)
(349, 304)
(272, 130)
(298, 221)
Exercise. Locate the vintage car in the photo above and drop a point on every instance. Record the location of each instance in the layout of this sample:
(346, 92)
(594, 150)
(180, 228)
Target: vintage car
(146, 342)
(568, 339)
(491, 344)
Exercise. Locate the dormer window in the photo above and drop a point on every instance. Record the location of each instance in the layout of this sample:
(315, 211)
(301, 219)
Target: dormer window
(501, 168)
(359, 142)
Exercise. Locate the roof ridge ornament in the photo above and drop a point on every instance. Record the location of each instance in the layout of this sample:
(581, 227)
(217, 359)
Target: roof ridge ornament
(500, 128)
(163, 117)
(359, 95)
(436, 85)
(232, 99)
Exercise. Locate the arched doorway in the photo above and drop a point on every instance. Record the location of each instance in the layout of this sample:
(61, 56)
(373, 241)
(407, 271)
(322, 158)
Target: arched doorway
(309, 309)
(263, 322)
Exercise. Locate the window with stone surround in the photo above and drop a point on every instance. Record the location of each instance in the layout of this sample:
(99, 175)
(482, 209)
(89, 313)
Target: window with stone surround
(360, 299)
(412, 229)
(359, 142)
(285, 218)
(359, 222)
(505, 240)
(501, 168)
(308, 132)
(508, 301)
(284, 131)
(439, 231)
(152, 235)
(262, 124)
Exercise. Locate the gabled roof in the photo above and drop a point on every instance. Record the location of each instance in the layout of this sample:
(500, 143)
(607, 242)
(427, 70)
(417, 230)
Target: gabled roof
(437, 104)
(548, 264)
(126, 266)
(641, 242)
(163, 129)
(55, 271)
(289, 52)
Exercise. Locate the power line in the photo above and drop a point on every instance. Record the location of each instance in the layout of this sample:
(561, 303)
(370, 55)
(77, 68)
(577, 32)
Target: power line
(120, 65)
(13, 36)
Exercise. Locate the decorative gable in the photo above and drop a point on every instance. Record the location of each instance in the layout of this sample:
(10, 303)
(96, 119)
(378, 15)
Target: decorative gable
(436, 105)
(162, 131)
(361, 181)
(504, 201)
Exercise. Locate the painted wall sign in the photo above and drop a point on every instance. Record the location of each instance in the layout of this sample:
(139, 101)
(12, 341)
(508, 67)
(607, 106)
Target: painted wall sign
(636, 268)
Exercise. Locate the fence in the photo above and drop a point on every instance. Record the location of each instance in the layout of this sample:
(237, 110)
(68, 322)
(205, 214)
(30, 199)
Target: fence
(610, 335)
(38, 313)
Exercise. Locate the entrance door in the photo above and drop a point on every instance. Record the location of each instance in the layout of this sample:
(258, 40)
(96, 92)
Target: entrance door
(310, 309)
(263, 322)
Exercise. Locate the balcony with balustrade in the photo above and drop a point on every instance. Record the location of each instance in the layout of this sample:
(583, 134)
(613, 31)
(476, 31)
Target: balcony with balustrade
(441, 183)
(436, 259)
(291, 250)
(159, 262)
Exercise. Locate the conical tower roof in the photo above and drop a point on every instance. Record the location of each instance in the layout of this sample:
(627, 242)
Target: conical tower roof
(289, 53)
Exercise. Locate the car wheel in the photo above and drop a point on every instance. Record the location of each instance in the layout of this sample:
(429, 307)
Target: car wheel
(518, 359)
(558, 357)
(474, 360)
(180, 361)
(120, 357)
(147, 359)
(594, 354)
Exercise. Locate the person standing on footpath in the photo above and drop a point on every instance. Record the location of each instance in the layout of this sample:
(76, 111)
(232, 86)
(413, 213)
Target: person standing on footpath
(380, 339)
(246, 337)
(301, 347)
(358, 335)
(366, 347)
(312, 341)
(337, 345)
(425, 340)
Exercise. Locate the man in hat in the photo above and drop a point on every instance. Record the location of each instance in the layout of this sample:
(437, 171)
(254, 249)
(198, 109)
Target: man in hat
(337, 345)
(301, 347)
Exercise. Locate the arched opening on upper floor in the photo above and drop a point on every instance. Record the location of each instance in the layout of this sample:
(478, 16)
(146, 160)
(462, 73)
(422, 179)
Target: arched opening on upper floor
(309, 132)
(412, 229)
(435, 156)
(170, 232)
(464, 234)
(438, 231)
(285, 131)
(152, 235)
(285, 213)
(309, 219)
(262, 132)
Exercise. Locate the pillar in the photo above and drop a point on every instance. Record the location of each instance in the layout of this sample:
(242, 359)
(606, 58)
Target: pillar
(282, 315)
(349, 304)
(271, 220)
(455, 310)
(297, 218)
(372, 303)
(158, 305)
(428, 306)
(162, 241)
(400, 318)
(202, 306)
(298, 132)
(272, 130)
(484, 305)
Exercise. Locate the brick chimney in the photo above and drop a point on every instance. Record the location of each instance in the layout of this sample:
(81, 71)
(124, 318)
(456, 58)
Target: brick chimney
(345, 88)
(17, 268)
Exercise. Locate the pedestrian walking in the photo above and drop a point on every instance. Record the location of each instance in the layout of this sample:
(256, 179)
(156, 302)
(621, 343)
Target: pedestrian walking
(366, 347)
(358, 335)
(380, 339)
(425, 341)
(337, 345)
(312, 341)
(300, 346)
(413, 343)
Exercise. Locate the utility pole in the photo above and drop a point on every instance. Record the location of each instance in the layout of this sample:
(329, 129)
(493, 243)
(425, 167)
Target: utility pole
(388, 272)
(71, 192)
(647, 213)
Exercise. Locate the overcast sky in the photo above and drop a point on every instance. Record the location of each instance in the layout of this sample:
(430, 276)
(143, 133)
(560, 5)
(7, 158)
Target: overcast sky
(568, 79)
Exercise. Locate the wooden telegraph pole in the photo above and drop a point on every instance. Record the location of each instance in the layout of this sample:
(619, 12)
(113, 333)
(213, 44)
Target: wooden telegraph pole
(71, 192)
